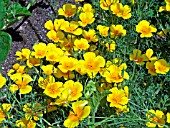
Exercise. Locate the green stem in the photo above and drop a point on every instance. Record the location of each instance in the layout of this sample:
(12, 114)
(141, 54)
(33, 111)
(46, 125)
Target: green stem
(93, 118)
(16, 99)
(134, 68)
(11, 23)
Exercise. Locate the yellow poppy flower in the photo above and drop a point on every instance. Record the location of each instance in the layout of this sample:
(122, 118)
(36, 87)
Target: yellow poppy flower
(155, 117)
(58, 23)
(80, 111)
(151, 68)
(121, 11)
(67, 64)
(40, 50)
(92, 63)
(125, 13)
(54, 89)
(138, 57)
(71, 27)
(105, 4)
(6, 107)
(23, 55)
(117, 30)
(49, 69)
(21, 83)
(86, 18)
(115, 74)
(21, 69)
(117, 98)
(161, 66)
(145, 29)
(81, 44)
(74, 89)
(42, 82)
(53, 53)
(68, 43)
(67, 10)
(32, 61)
(103, 30)
(55, 36)
(90, 35)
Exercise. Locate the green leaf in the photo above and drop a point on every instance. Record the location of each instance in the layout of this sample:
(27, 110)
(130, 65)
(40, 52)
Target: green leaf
(1, 23)
(5, 45)
(6, 2)
(18, 10)
(96, 98)
(89, 88)
(2, 9)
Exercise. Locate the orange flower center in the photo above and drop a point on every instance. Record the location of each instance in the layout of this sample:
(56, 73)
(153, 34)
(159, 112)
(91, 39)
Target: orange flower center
(155, 119)
(105, 5)
(40, 52)
(146, 30)
(68, 65)
(52, 57)
(117, 99)
(116, 32)
(152, 69)
(33, 61)
(115, 76)
(138, 60)
(91, 65)
(2, 115)
(53, 90)
(68, 12)
(161, 68)
(69, 44)
(73, 117)
(73, 92)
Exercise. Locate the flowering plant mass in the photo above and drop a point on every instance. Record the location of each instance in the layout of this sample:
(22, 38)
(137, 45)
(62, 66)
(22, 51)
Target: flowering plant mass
(106, 64)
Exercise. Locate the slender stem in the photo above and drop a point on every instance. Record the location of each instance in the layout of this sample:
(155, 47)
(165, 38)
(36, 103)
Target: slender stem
(16, 99)
(134, 68)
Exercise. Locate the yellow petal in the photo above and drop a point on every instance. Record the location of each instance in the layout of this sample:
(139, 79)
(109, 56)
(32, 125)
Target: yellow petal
(13, 88)
(2, 81)
(26, 90)
(149, 53)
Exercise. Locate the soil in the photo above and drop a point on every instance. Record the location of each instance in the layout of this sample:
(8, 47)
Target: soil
(31, 29)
